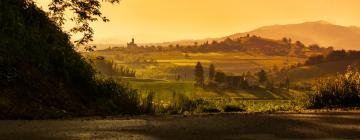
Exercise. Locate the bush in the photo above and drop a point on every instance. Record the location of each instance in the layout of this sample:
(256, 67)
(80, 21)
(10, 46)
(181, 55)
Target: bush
(148, 103)
(114, 98)
(182, 103)
(179, 104)
(210, 109)
(340, 91)
(233, 108)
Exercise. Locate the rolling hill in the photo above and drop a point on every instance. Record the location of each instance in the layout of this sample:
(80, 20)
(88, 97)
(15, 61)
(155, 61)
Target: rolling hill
(317, 32)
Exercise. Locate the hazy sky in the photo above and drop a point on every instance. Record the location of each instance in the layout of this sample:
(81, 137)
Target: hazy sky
(168, 20)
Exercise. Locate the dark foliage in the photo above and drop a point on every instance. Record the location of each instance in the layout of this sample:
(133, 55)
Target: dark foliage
(109, 68)
(339, 55)
(211, 72)
(262, 76)
(233, 108)
(85, 12)
(246, 44)
(340, 91)
(199, 75)
(42, 76)
(220, 77)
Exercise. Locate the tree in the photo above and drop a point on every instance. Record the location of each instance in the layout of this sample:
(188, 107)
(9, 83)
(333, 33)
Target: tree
(314, 47)
(211, 72)
(313, 60)
(199, 74)
(220, 77)
(84, 12)
(262, 76)
(284, 39)
(287, 83)
(300, 44)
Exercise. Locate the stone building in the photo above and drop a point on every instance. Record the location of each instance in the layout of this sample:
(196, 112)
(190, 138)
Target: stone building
(132, 44)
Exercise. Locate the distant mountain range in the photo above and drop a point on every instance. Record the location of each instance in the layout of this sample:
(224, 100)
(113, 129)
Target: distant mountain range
(319, 32)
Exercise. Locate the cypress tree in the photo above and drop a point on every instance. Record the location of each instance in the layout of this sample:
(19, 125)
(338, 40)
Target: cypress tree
(199, 74)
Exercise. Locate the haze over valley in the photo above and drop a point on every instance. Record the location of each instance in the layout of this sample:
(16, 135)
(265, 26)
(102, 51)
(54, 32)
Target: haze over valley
(319, 32)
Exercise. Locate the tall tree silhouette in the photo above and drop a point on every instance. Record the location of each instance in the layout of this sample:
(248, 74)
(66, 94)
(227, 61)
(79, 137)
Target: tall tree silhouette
(211, 72)
(262, 76)
(199, 74)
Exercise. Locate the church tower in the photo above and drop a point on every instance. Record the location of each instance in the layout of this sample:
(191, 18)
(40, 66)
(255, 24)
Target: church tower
(132, 44)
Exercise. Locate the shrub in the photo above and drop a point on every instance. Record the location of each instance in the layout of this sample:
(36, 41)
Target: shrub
(233, 108)
(148, 103)
(182, 103)
(340, 91)
(113, 97)
(179, 104)
(210, 109)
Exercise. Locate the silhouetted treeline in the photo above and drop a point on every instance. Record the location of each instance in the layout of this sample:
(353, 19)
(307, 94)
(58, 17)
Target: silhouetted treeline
(252, 44)
(218, 79)
(109, 68)
(337, 55)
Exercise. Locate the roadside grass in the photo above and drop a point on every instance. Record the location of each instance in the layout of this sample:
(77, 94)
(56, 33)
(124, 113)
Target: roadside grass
(181, 104)
(272, 106)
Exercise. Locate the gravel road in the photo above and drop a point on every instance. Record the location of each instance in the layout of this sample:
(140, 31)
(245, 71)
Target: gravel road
(328, 125)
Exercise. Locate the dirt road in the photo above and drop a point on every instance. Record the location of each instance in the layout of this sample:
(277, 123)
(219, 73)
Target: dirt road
(340, 125)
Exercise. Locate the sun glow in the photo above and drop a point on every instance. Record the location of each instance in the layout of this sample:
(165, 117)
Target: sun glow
(164, 20)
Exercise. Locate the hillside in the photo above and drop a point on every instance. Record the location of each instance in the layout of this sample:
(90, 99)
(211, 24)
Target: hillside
(41, 74)
(313, 72)
(319, 32)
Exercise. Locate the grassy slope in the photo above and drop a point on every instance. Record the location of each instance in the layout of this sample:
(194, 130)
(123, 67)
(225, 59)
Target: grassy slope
(310, 73)
(164, 89)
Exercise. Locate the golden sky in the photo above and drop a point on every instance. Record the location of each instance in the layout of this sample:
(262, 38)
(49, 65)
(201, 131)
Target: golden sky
(168, 20)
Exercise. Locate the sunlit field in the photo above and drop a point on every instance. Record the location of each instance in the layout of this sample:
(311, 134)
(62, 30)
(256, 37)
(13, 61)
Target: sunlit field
(170, 63)
(165, 89)
(169, 73)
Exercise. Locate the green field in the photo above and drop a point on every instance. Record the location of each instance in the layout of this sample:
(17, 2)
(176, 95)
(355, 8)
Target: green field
(164, 89)
(156, 72)
(169, 78)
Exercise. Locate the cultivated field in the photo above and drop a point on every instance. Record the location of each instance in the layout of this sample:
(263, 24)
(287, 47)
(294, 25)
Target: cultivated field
(165, 65)
(170, 73)
(165, 89)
